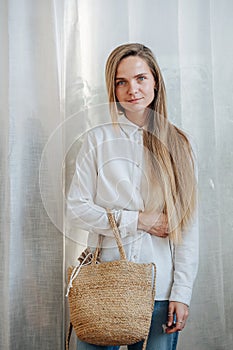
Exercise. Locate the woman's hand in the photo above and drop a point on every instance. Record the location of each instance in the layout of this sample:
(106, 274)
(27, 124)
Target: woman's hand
(154, 223)
(180, 311)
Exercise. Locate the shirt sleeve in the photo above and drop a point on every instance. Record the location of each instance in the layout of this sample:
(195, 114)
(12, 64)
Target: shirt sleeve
(81, 210)
(186, 256)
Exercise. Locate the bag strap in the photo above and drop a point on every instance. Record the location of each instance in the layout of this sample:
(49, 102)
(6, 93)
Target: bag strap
(98, 250)
(117, 235)
(69, 336)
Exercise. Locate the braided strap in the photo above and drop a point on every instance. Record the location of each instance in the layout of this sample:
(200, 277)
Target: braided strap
(116, 232)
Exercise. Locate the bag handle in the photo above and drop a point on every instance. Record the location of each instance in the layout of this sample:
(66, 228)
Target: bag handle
(117, 236)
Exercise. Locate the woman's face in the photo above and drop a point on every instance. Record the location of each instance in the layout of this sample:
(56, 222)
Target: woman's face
(134, 84)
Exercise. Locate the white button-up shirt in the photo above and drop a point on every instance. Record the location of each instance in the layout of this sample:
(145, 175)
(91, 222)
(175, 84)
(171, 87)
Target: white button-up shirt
(111, 173)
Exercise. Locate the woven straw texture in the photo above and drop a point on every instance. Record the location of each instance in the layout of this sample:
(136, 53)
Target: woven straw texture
(111, 303)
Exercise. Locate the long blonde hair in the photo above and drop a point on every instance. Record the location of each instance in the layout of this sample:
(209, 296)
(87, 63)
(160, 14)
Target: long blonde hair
(171, 160)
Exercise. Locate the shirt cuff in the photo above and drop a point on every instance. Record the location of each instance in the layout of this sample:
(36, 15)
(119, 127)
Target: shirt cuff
(181, 294)
(127, 221)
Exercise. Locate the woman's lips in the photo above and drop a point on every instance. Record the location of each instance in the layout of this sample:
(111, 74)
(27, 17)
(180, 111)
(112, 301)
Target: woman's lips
(135, 100)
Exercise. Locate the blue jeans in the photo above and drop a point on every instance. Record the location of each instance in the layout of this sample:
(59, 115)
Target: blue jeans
(157, 339)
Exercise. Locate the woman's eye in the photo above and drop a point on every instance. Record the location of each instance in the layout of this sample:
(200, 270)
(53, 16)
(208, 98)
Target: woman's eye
(120, 83)
(141, 78)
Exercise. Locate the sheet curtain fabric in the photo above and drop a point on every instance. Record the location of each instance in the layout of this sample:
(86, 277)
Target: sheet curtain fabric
(31, 251)
(52, 89)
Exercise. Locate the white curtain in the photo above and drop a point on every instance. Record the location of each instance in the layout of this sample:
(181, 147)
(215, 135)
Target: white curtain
(52, 86)
(31, 246)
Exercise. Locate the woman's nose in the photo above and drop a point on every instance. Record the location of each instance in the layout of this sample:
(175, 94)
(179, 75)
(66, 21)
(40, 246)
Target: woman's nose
(133, 87)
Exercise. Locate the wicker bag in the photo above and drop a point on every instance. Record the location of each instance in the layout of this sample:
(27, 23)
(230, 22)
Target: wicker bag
(111, 303)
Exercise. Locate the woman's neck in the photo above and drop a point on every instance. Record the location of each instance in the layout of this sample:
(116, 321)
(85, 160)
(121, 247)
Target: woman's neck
(137, 118)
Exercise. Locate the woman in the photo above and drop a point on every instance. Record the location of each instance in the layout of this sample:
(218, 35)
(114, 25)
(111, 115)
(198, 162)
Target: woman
(141, 167)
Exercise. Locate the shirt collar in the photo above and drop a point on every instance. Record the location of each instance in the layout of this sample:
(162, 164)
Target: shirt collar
(127, 126)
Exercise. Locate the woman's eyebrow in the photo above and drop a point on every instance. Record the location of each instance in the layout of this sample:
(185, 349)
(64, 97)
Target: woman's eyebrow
(137, 75)
(140, 74)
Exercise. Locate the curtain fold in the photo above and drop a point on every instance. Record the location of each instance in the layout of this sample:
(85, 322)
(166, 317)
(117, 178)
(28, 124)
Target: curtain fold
(52, 89)
(31, 270)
